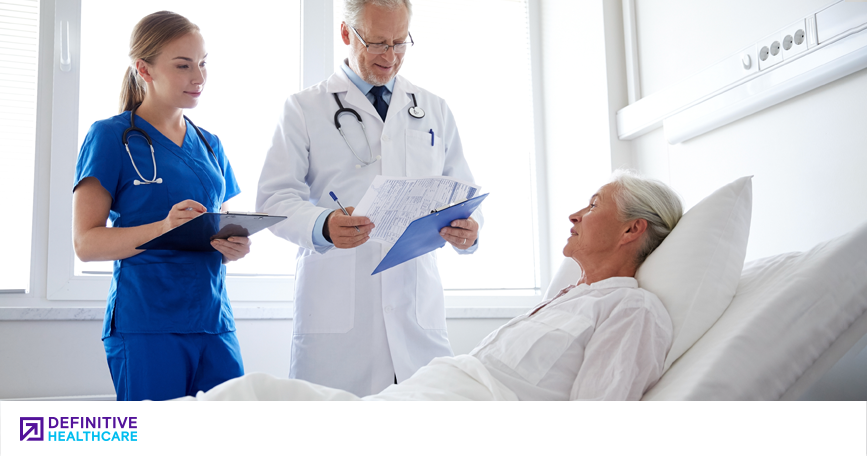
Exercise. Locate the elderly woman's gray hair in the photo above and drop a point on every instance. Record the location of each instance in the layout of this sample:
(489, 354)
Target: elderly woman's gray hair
(352, 9)
(638, 197)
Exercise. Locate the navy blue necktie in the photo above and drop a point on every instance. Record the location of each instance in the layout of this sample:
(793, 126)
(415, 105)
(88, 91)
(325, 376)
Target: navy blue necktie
(378, 102)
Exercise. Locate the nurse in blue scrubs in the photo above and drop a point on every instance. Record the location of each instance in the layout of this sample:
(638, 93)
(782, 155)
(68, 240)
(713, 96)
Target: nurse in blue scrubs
(168, 329)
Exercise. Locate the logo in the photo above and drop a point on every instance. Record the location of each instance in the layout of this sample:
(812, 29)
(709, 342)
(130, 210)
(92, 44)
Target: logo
(79, 429)
(32, 428)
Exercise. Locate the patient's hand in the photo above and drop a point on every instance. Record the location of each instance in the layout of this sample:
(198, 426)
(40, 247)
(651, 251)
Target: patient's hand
(462, 233)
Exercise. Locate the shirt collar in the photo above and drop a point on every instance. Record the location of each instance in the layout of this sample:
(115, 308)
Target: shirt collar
(611, 282)
(362, 85)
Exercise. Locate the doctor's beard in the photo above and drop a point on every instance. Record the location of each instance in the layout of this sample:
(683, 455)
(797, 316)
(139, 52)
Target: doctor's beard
(370, 77)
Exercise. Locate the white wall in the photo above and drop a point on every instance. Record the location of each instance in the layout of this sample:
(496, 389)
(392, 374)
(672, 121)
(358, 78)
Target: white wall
(807, 154)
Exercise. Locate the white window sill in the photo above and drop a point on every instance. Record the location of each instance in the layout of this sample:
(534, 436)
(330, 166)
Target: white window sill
(242, 312)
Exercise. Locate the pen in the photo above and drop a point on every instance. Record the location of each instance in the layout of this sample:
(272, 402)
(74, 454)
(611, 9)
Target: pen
(431, 137)
(334, 197)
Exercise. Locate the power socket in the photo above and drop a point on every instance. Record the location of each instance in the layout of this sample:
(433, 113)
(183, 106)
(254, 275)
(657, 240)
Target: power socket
(785, 44)
(769, 51)
(794, 39)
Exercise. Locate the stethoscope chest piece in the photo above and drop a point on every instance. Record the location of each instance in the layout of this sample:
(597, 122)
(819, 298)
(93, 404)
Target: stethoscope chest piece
(416, 112)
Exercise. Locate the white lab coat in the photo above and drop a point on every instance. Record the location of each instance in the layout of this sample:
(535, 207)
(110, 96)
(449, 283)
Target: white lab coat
(355, 331)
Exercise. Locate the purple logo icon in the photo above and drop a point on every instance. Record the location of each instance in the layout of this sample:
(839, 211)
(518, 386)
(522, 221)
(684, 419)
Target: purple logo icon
(31, 428)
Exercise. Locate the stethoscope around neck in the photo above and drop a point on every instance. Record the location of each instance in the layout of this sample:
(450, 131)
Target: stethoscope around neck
(133, 129)
(414, 111)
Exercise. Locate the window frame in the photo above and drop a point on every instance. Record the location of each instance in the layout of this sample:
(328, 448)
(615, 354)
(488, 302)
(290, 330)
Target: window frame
(61, 283)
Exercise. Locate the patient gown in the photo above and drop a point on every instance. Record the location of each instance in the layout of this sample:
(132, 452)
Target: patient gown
(604, 341)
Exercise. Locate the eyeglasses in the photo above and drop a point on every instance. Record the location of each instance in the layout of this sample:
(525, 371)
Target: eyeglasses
(381, 48)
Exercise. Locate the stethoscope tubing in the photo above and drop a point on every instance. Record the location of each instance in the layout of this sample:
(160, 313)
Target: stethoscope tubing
(132, 128)
(342, 111)
(414, 111)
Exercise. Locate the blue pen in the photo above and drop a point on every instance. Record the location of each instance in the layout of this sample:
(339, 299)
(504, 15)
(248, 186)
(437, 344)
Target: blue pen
(334, 197)
(431, 137)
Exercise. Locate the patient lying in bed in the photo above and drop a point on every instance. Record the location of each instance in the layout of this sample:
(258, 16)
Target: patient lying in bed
(600, 339)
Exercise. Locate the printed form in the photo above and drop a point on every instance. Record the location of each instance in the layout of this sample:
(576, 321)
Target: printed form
(392, 203)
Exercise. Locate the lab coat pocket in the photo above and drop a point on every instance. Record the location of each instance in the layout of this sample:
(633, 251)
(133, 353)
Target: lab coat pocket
(424, 159)
(325, 292)
(430, 308)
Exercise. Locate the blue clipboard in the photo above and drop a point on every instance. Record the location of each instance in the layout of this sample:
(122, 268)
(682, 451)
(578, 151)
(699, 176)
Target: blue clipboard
(197, 234)
(423, 234)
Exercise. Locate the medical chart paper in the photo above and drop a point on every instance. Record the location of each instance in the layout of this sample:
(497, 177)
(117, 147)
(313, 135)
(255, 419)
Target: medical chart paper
(392, 203)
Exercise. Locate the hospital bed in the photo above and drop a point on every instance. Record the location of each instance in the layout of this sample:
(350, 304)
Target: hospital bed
(764, 330)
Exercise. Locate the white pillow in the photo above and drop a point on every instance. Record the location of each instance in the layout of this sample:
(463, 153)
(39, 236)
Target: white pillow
(695, 271)
(567, 274)
(788, 310)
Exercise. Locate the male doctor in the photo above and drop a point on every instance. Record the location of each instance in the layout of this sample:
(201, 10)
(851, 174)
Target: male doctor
(355, 331)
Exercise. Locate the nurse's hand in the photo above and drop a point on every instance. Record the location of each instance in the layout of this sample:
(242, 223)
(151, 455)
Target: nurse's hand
(234, 248)
(182, 213)
(462, 233)
(340, 228)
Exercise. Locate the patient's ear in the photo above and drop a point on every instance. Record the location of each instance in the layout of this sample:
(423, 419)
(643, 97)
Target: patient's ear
(634, 230)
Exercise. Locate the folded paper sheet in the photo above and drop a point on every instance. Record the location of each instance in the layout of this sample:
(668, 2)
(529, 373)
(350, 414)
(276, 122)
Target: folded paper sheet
(392, 203)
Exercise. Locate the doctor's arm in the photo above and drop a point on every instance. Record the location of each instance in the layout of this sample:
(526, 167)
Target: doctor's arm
(283, 188)
(346, 231)
(93, 241)
(462, 233)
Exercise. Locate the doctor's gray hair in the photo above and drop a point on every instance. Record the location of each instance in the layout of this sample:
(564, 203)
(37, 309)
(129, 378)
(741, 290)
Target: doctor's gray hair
(639, 197)
(353, 9)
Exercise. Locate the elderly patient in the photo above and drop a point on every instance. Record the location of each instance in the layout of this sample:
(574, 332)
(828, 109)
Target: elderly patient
(602, 338)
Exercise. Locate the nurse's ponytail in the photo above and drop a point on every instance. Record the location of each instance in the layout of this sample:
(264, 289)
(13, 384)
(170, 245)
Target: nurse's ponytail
(148, 39)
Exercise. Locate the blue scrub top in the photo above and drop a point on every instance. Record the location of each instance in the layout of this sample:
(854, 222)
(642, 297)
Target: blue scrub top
(161, 291)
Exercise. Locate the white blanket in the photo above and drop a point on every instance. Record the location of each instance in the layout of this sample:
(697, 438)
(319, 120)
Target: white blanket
(462, 378)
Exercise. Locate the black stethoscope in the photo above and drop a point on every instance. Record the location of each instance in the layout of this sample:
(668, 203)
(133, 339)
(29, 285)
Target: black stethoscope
(414, 111)
(133, 128)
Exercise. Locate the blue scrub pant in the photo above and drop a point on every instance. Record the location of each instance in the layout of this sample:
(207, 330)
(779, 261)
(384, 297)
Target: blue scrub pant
(167, 366)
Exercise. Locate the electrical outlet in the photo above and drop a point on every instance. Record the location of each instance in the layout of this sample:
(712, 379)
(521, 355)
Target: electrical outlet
(769, 51)
(794, 39)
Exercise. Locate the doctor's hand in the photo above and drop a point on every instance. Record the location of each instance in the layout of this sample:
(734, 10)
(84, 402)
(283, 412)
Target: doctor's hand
(340, 229)
(462, 233)
(182, 213)
(234, 248)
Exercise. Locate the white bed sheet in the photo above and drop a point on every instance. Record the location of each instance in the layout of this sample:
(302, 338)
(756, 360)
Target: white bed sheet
(789, 309)
(462, 378)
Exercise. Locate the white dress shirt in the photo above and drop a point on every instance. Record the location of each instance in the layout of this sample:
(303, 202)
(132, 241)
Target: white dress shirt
(604, 341)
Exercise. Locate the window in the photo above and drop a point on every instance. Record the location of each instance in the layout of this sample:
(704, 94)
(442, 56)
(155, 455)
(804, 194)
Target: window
(255, 59)
(19, 43)
(486, 81)
(248, 80)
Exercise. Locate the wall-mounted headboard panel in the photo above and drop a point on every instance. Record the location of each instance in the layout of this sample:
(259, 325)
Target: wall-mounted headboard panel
(817, 49)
